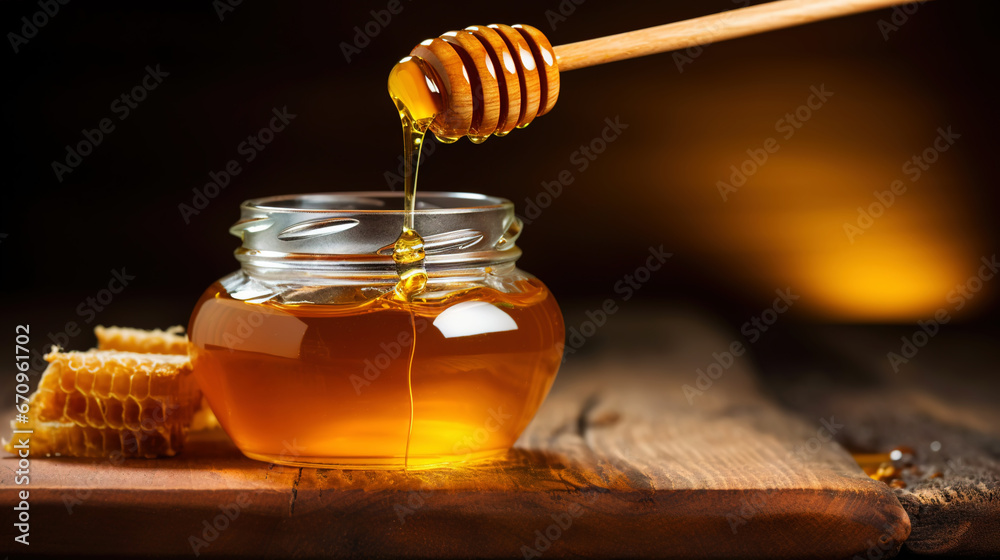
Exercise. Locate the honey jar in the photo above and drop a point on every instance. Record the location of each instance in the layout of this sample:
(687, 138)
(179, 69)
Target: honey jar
(310, 356)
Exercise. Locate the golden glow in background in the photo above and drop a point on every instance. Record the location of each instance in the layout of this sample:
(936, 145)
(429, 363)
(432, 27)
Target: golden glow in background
(785, 227)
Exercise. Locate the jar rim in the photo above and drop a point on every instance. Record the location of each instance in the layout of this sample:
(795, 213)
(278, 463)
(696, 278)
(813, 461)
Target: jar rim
(433, 202)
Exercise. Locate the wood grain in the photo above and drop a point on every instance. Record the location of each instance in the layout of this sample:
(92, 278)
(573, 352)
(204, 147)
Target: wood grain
(708, 29)
(617, 455)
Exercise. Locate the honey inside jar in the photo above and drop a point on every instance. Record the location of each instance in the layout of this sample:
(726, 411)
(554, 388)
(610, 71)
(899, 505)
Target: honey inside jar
(330, 384)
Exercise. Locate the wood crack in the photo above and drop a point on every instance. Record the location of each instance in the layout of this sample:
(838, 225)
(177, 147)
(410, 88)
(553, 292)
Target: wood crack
(295, 493)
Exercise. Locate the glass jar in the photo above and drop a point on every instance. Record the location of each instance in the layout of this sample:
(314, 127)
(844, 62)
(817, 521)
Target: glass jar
(308, 356)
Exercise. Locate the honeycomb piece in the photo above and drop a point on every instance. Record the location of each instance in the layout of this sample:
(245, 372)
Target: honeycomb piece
(170, 341)
(101, 401)
(146, 390)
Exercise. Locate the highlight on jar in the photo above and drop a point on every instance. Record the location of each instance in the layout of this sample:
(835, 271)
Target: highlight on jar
(312, 341)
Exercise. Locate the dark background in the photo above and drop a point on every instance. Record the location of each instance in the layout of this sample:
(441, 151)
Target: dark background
(655, 185)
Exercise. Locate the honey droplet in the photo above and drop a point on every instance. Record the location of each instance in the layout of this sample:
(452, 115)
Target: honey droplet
(408, 253)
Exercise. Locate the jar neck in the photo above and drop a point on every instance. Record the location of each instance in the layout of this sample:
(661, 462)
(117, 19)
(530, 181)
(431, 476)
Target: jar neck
(272, 266)
(340, 237)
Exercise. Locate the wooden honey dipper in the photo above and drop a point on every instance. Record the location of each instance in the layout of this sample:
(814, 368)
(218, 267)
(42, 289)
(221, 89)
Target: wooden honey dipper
(487, 80)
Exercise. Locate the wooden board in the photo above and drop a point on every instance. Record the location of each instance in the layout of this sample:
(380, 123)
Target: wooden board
(946, 392)
(617, 463)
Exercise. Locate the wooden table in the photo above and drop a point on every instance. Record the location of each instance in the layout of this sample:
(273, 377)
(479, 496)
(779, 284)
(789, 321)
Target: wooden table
(618, 463)
(941, 404)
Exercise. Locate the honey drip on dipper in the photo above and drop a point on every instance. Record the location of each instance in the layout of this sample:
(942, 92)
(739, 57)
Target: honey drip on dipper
(477, 82)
